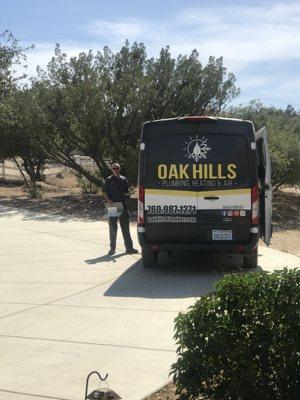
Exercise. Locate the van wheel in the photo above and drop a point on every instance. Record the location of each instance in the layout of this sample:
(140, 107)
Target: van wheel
(149, 258)
(252, 260)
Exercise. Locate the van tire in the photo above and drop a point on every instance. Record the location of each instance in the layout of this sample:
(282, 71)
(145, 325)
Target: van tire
(149, 258)
(252, 260)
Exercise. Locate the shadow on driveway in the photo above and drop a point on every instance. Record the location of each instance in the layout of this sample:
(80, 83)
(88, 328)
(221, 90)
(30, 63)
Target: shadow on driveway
(58, 209)
(61, 208)
(183, 276)
(104, 258)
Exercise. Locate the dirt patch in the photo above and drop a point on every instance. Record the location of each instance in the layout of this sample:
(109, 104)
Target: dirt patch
(56, 201)
(166, 393)
(286, 208)
(286, 221)
(65, 180)
(12, 190)
(288, 241)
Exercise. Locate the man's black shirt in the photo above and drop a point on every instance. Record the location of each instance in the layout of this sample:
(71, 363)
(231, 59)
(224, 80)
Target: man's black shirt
(116, 187)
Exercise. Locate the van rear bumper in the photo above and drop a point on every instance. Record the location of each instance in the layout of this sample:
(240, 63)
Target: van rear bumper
(216, 247)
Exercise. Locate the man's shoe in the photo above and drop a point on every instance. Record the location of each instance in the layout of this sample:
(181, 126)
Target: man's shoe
(111, 252)
(132, 251)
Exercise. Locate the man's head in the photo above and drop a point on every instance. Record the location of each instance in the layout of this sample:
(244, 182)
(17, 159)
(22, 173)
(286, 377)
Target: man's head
(116, 169)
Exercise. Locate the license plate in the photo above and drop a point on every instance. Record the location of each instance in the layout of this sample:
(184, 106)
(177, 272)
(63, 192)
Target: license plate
(221, 234)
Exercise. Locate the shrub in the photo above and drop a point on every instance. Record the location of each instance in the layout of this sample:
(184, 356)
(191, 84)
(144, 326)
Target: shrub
(284, 137)
(242, 342)
(87, 187)
(34, 193)
(59, 175)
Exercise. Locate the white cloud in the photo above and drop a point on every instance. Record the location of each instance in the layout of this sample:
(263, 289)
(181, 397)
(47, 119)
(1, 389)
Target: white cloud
(246, 36)
(243, 34)
(128, 29)
(279, 13)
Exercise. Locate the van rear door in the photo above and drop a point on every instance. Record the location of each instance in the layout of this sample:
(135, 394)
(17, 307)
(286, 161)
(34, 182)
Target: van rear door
(224, 187)
(170, 201)
(266, 190)
(197, 179)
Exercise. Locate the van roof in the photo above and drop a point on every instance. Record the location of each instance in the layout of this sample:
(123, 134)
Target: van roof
(199, 117)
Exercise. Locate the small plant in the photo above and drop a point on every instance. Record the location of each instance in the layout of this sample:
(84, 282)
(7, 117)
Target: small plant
(59, 175)
(34, 193)
(87, 187)
(242, 342)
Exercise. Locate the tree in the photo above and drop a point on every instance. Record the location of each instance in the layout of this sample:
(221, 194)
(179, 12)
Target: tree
(17, 113)
(284, 136)
(95, 104)
(11, 54)
(19, 133)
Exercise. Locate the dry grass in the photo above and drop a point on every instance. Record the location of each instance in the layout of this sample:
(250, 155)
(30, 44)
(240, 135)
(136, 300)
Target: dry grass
(286, 221)
(12, 189)
(166, 393)
(286, 207)
(64, 179)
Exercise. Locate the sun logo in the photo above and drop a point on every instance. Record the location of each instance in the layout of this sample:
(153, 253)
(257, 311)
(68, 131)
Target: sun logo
(197, 148)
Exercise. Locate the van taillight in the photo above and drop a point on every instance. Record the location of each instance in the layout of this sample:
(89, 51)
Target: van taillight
(141, 205)
(254, 204)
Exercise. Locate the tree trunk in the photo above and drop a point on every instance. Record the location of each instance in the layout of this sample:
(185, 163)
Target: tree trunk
(22, 173)
(40, 171)
(29, 168)
(34, 170)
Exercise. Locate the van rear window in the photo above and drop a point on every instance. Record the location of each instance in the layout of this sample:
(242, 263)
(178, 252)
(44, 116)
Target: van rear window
(197, 162)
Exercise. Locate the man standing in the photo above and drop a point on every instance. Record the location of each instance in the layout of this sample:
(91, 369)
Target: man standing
(116, 190)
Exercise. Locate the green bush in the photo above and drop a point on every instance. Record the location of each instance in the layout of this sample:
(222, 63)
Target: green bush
(284, 137)
(242, 342)
(59, 175)
(34, 193)
(86, 186)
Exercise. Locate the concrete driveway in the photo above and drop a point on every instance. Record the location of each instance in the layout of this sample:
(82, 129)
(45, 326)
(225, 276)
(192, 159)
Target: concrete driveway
(67, 309)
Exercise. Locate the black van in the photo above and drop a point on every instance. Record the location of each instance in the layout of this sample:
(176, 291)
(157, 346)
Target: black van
(204, 185)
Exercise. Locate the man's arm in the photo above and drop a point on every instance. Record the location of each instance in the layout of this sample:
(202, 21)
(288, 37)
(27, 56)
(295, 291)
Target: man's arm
(105, 192)
(107, 198)
(126, 188)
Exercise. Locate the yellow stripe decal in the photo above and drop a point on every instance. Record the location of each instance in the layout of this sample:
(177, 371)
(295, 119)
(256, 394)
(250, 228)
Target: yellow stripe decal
(167, 192)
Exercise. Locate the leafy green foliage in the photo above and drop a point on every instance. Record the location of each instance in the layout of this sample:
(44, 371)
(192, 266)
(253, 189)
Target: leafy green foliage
(242, 342)
(284, 137)
(19, 131)
(11, 54)
(87, 187)
(18, 114)
(95, 104)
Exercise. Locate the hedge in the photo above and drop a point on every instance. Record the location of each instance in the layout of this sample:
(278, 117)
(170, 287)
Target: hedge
(242, 342)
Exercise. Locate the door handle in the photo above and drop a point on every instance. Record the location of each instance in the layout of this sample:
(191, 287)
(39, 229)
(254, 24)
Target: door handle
(211, 198)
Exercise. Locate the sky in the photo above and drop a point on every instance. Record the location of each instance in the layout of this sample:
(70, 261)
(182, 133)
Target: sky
(259, 40)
